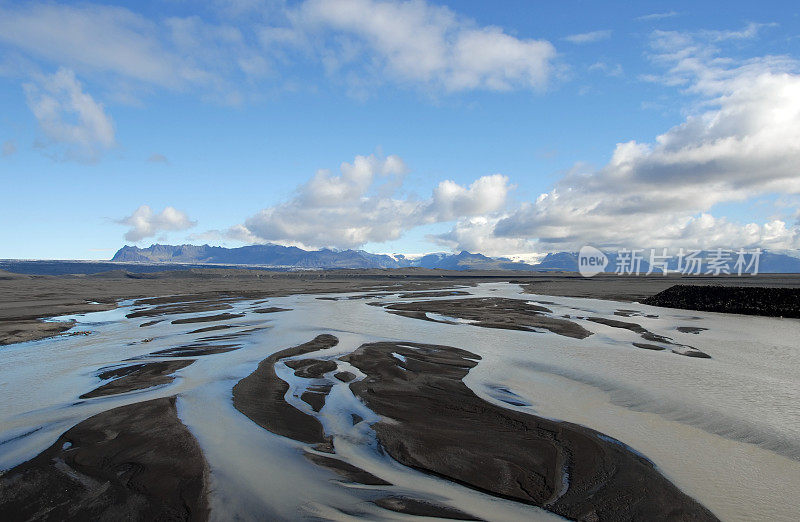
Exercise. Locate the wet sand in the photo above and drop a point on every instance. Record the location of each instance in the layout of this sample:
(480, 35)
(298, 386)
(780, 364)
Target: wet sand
(136, 377)
(680, 349)
(260, 397)
(30, 329)
(435, 423)
(140, 460)
(136, 462)
(345, 470)
(25, 299)
(421, 508)
(510, 314)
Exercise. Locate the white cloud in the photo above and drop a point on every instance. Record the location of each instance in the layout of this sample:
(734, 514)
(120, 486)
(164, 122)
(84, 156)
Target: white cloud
(145, 223)
(69, 116)
(364, 204)
(657, 16)
(484, 196)
(591, 37)
(750, 31)
(607, 69)
(365, 42)
(741, 140)
(130, 54)
(477, 235)
(93, 37)
(9, 148)
(236, 233)
(418, 43)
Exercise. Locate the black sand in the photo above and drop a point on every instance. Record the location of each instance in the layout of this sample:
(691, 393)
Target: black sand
(773, 302)
(647, 335)
(493, 312)
(434, 423)
(24, 299)
(260, 396)
(208, 318)
(348, 471)
(421, 508)
(311, 368)
(136, 462)
(270, 310)
(136, 377)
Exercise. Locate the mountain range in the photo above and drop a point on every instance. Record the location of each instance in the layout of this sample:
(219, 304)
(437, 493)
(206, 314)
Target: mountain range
(277, 256)
(270, 255)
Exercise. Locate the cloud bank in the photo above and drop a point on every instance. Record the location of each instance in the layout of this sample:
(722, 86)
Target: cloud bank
(364, 203)
(739, 141)
(232, 57)
(742, 140)
(416, 42)
(144, 223)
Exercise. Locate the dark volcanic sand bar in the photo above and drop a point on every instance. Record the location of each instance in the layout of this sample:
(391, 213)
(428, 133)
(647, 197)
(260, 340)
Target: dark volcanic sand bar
(136, 377)
(24, 299)
(647, 335)
(211, 328)
(231, 336)
(436, 424)
(346, 470)
(633, 327)
(691, 329)
(180, 308)
(774, 302)
(444, 293)
(260, 396)
(494, 312)
(196, 350)
(136, 462)
(421, 508)
(315, 396)
(345, 376)
(271, 310)
(30, 330)
(208, 318)
(310, 368)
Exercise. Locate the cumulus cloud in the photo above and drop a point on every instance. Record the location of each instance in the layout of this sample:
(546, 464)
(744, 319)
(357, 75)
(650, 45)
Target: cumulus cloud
(144, 223)
(741, 140)
(477, 235)
(484, 196)
(419, 43)
(69, 116)
(591, 37)
(363, 204)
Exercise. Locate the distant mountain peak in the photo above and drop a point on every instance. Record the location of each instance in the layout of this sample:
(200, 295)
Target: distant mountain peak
(271, 255)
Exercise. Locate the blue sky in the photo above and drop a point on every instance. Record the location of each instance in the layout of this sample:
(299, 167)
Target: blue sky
(491, 127)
